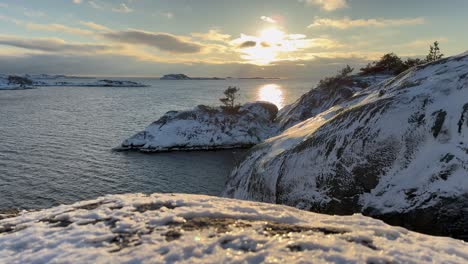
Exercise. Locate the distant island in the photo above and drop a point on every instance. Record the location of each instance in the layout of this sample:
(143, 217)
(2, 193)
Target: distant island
(180, 76)
(259, 78)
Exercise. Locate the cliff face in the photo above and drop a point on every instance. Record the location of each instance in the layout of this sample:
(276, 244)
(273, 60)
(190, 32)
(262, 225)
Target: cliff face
(397, 150)
(168, 228)
(205, 128)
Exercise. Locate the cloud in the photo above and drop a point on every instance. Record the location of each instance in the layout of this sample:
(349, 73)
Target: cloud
(328, 5)
(162, 41)
(248, 44)
(168, 15)
(59, 28)
(212, 35)
(50, 45)
(94, 5)
(268, 19)
(346, 23)
(33, 13)
(77, 2)
(94, 26)
(122, 8)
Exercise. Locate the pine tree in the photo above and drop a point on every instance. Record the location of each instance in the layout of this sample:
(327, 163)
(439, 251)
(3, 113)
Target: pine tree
(230, 100)
(434, 53)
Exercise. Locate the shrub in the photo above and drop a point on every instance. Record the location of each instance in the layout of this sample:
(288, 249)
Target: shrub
(390, 63)
(341, 78)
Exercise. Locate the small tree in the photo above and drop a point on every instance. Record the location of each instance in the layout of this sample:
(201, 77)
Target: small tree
(18, 80)
(229, 101)
(434, 53)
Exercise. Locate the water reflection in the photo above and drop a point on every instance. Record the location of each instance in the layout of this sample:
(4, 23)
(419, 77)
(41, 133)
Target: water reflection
(271, 93)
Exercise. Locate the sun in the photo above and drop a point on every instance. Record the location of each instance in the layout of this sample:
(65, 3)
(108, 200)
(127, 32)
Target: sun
(269, 44)
(272, 35)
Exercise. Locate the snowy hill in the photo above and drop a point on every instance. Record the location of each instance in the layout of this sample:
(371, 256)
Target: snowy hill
(205, 128)
(397, 150)
(323, 97)
(168, 228)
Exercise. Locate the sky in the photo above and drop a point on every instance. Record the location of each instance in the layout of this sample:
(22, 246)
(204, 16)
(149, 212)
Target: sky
(242, 38)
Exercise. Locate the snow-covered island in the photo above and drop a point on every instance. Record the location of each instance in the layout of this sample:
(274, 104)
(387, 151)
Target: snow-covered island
(207, 128)
(13, 82)
(168, 228)
(180, 76)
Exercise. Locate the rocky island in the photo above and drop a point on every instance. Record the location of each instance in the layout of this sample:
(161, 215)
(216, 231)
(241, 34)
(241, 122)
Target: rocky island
(13, 82)
(180, 76)
(207, 128)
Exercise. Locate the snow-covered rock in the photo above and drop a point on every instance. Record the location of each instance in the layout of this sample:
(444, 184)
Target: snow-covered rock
(397, 151)
(168, 228)
(323, 97)
(7, 84)
(205, 128)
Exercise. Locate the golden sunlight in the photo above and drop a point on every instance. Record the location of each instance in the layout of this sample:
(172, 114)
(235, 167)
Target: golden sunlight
(271, 93)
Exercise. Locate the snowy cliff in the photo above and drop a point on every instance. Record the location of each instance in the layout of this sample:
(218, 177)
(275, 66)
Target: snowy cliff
(205, 128)
(323, 97)
(397, 150)
(168, 228)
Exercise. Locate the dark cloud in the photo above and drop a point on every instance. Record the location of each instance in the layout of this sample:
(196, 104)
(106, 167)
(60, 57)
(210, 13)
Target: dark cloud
(265, 44)
(50, 45)
(162, 41)
(248, 44)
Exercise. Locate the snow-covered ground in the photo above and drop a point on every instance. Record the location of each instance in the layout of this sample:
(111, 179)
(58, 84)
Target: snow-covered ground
(168, 228)
(397, 150)
(205, 128)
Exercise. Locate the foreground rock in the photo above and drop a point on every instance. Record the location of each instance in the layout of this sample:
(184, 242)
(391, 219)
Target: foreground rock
(207, 128)
(397, 151)
(166, 228)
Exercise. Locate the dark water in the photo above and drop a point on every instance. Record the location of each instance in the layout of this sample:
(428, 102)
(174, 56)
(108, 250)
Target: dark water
(55, 142)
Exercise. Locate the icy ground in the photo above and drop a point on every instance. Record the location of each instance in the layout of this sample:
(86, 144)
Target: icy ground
(162, 228)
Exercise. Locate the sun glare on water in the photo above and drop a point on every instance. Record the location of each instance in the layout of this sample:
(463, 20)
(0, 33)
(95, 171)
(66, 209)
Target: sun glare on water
(271, 93)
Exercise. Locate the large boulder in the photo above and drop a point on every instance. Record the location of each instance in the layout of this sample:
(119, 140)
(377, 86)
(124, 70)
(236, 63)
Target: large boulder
(397, 151)
(205, 128)
(169, 228)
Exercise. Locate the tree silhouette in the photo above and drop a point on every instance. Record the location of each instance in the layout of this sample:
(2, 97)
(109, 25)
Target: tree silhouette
(229, 101)
(434, 53)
